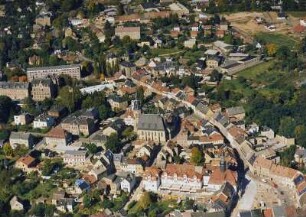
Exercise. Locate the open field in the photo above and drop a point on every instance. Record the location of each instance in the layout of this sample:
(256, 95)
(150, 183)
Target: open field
(245, 22)
(277, 38)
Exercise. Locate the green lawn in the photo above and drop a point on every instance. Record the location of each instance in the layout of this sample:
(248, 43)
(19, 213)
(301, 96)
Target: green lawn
(165, 51)
(277, 39)
(297, 13)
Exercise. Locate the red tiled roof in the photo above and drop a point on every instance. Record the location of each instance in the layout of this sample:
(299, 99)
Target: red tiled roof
(27, 160)
(57, 132)
(182, 169)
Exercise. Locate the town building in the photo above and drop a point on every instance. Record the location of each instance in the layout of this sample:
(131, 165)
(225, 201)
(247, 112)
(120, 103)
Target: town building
(23, 119)
(26, 164)
(127, 68)
(58, 137)
(73, 71)
(117, 103)
(43, 89)
(132, 32)
(78, 125)
(151, 179)
(15, 90)
(74, 157)
(21, 138)
(150, 127)
(43, 121)
(182, 178)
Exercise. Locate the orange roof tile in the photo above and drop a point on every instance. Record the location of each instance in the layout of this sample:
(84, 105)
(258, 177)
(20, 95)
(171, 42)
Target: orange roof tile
(182, 169)
(27, 160)
(57, 132)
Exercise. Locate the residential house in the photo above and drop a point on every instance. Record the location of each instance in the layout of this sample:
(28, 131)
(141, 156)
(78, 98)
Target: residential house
(58, 137)
(43, 89)
(81, 186)
(151, 179)
(127, 68)
(237, 113)
(132, 32)
(219, 177)
(74, 157)
(300, 155)
(117, 103)
(178, 9)
(150, 127)
(116, 126)
(133, 166)
(16, 204)
(15, 90)
(43, 121)
(21, 138)
(223, 201)
(127, 181)
(57, 112)
(23, 119)
(26, 164)
(213, 62)
(78, 125)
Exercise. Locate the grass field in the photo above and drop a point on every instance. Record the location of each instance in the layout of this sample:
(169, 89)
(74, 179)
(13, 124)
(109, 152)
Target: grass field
(277, 39)
(165, 51)
(297, 13)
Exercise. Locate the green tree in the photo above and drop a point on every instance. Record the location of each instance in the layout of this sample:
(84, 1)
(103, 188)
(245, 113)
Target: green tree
(92, 148)
(197, 156)
(69, 97)
(215, 76)
(113, 143)
(47, 168)
(87, 201)
(7, 149)
(286, 127)
(5, 108)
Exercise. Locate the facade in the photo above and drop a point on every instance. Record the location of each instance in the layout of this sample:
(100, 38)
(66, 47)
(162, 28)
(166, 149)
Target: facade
(150, 127)
(127, 182)
(117, 103)
(26, 164)
(43, 89)
(74, 157)
(23, 119)
(151, 179)
(73, 71)
(127, 68)
(131, 166)
(78, 125)
(43, 121)
(182, 178)
(58, 136)
(132, 32)
(15, 90)
(21, 138)
(213, 62)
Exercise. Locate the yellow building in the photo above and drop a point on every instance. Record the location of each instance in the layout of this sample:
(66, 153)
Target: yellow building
(150, 127)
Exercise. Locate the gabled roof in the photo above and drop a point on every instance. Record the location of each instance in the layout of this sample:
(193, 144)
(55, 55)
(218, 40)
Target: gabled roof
(151, 122)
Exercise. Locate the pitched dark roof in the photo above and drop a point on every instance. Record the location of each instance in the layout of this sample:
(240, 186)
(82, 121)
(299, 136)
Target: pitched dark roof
(151, 122)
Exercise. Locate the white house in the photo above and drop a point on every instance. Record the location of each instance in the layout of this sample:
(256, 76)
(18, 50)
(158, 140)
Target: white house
(127, 182)
(43, 121)
(151, 179)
